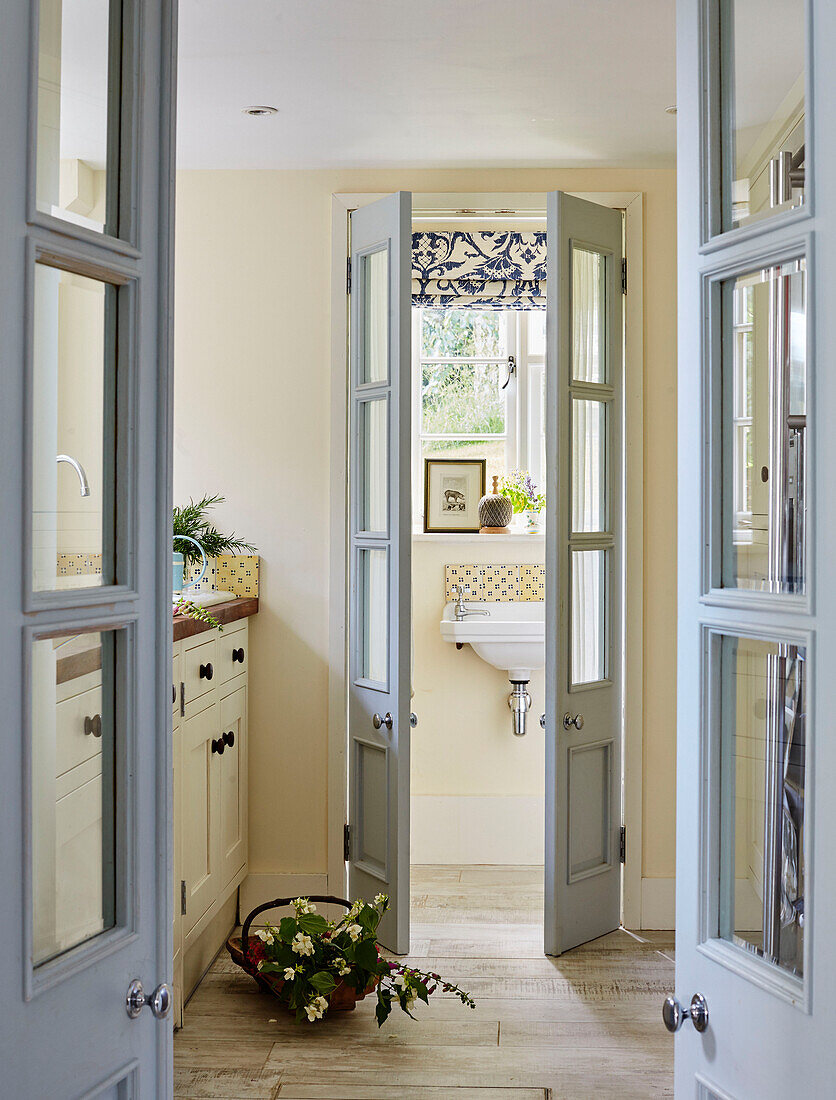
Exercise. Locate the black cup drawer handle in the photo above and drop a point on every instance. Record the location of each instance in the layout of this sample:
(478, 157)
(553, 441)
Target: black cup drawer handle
(206, 672)
(229, 739)
(218, 746)
(238, 655)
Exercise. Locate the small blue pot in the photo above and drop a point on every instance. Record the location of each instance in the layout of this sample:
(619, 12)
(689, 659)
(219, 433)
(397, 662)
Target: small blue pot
(178, 569)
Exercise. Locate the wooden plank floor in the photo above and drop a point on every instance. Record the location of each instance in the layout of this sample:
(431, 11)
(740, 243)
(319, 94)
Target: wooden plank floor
(585, 1025)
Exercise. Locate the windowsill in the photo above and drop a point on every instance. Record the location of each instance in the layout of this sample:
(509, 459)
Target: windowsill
(469, 537)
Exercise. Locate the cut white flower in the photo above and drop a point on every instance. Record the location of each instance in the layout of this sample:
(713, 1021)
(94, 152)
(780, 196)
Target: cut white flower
(400, 981)
(304, 905)
(289, 973)
(380, 898)
(316, 1009)
(355, 931)
(265, 935)
(342, 967)
(302, 944)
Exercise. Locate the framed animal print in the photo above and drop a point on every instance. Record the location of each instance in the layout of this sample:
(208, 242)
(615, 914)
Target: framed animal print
(453, 488)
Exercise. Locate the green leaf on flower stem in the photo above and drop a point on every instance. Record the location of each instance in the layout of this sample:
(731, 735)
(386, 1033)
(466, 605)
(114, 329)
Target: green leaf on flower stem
(365, 954)
(268, 967)
(368, 918)
(421, 990)
(323, 982)
(312, 923)
(384, 1006)
(288, 929)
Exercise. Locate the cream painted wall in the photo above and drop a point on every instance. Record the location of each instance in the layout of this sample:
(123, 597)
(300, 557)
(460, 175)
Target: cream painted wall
(466, 762)
(252, 389)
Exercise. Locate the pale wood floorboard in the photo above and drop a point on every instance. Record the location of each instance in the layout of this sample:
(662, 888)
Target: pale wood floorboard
(585, 1025)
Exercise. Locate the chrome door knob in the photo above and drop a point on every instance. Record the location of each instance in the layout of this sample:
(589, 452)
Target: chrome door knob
(542, 721)
(569, 721)
(413, 719)
(386, 721)
(674, 1015)
(159, 1001)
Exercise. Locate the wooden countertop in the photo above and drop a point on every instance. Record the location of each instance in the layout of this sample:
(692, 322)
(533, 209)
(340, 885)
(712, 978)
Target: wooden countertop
(82, 658)
(229, 612)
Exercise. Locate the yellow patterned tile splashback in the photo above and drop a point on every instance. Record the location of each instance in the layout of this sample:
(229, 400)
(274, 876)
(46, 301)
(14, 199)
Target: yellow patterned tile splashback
(500, 583)
(78, 565)
(236, 573)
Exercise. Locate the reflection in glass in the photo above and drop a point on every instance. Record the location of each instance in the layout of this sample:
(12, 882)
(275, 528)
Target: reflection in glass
(588, 639)
(375, 298)
(373, 575)
(764, 430)
(72, 139)
(763, 50)
(588, 316)
(536, 331)
(762, 813)
(589, 455)
(72, 484)
(73, 790)
(374, 465)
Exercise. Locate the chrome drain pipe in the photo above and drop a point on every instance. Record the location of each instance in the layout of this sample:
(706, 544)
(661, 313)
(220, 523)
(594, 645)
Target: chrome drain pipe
(520, 703)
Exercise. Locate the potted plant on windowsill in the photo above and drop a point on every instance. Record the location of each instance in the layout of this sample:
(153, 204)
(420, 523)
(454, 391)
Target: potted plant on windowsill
(525, 498)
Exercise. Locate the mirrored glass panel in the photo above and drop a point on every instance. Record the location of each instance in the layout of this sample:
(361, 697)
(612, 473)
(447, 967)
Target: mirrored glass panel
(374, 465)
(74, 75)
(762, 703)
(589, 466)
(373, 576)
(374, 276)
(763, 60)
(589, 330)
(588, 629)
(73, 400)
(764, 395)
(73, 781)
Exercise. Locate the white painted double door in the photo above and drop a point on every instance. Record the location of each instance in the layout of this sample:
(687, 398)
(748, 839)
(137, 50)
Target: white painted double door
(583, 559)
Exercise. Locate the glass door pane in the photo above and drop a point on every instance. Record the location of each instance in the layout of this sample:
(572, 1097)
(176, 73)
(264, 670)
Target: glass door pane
(373, 616)
(373, 465)
(764, 429)
(73, 785)
(589, 617)
(762, 792)
(374, 290)
(72, 456)
(589, 330)
(76, 71)
(762, 103)
(589, 466)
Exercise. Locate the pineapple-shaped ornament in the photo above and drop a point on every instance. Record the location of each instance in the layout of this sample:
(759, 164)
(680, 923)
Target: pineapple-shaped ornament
(495, 511)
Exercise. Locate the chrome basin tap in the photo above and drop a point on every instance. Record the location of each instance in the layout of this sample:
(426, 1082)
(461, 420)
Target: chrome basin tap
(462, 611)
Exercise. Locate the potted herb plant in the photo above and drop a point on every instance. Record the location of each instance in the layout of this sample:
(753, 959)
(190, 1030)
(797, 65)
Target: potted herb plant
(193, 531)
(524, 496)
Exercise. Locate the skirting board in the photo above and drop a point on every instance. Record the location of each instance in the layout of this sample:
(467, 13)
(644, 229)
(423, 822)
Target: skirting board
(258, 888)
(659, 904)
(477, 829)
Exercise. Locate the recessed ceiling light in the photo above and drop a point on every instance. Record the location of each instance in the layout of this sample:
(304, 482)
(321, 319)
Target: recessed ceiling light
(260, 110)
(671, 110)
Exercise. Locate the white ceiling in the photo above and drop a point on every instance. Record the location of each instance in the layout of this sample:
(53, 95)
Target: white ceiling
(454, 83)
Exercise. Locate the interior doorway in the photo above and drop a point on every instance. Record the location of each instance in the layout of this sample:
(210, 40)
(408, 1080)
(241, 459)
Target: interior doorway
(437, 820)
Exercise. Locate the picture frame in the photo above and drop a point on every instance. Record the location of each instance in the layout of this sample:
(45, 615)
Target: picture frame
(453, 488)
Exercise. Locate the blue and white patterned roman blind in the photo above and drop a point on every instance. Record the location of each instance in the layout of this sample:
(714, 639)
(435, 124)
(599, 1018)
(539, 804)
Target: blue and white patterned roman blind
(481, 269)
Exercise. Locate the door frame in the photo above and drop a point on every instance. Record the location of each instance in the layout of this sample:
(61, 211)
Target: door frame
(632, 202)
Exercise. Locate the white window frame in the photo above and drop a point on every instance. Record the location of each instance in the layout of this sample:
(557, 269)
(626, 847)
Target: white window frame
(523, 405)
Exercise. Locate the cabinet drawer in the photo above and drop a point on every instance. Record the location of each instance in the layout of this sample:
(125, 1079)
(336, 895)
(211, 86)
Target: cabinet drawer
(233, 653)
(72, 745)
(200, 672)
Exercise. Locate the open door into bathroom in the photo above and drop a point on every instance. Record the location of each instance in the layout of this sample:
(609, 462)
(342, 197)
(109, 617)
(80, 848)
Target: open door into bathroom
(379, 566)
(584, 364)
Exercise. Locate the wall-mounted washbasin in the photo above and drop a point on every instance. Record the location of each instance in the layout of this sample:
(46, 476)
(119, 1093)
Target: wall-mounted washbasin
(511, 637)
(207, 598)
